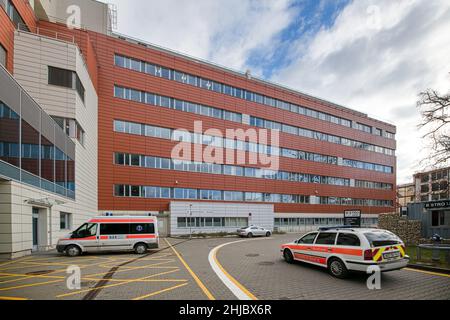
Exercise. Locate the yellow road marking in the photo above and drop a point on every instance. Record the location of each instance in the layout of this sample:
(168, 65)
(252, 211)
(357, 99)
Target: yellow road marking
(96, 279)
(429, 272)
(113, 285)
(160, 291)
(231, 278)
(46, 282)
(197, 279)
(13, 298)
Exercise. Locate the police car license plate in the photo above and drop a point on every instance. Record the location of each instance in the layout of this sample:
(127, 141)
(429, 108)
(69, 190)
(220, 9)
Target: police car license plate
(391, 255)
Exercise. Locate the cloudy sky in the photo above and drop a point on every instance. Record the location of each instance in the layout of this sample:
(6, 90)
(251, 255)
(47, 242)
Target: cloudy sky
(374, 56)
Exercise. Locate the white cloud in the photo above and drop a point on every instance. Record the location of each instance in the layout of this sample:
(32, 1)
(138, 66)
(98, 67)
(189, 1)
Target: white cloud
(224, 32)
(376, 58)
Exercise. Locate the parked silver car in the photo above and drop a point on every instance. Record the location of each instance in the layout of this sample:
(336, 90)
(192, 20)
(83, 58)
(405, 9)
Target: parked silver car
(254, 231)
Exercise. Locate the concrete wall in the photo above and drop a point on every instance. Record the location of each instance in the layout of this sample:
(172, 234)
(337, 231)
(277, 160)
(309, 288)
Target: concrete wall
(262, 215)
(93, 14)
(16, 237)
(33, 56)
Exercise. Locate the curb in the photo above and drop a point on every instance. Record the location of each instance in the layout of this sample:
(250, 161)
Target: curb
(428, 268)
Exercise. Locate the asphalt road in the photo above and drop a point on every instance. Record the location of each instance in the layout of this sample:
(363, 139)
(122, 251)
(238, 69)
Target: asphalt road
(181, 270)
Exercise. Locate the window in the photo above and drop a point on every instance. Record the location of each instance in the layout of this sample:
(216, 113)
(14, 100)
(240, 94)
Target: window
(2, 56)
(65, 221)
(308, 239)
(86, 230)
(348, 239)
(438, 218)
(142, 228)
(114, 228)
(66, 78)
(15, 16)
(326, 238)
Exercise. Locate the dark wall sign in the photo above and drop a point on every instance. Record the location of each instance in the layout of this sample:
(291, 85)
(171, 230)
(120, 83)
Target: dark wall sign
(352, 218)
(437, 204)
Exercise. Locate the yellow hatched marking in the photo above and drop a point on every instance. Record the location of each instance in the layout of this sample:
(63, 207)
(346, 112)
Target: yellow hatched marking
(160, 291)
(113, 285)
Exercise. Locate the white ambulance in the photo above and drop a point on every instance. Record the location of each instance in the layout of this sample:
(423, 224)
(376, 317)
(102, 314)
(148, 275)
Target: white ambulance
(112, 233)
(344, 249)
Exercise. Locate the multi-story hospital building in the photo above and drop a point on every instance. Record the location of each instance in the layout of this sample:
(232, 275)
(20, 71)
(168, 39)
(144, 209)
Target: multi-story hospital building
(89, 120)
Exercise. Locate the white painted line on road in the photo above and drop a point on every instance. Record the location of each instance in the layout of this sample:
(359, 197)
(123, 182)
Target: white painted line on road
(235, 287)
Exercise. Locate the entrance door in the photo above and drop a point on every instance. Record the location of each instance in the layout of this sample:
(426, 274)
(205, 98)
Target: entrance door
(35, 230)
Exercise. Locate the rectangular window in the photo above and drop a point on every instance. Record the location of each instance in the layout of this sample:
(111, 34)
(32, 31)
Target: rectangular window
(114, 228)
(60, 77)
(65, 221)
(2, 56)
(67, 79)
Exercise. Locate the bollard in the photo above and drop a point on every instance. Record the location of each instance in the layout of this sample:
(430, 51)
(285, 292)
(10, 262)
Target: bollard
(436, 253)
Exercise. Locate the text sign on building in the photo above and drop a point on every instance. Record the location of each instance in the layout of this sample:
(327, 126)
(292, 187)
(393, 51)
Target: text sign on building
(352, 218)
(437, 204)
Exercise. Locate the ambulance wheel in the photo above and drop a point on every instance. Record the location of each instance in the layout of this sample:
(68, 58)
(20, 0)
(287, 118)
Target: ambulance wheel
(287, 254)
(337, 268)
(140, 248)
(73, 251)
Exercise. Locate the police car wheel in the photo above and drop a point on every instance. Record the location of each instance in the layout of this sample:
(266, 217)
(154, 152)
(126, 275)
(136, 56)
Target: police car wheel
(250, 235)
(73, 251)
(337, 269)
(287, 254)
(140, 248)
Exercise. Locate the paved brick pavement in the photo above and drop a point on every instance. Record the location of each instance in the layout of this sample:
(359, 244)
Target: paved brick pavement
(258, 265)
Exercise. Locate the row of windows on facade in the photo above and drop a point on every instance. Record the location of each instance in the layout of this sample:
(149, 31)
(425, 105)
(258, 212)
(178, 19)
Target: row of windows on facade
(150, 98)
(211, 222)
(177, 135)
(437, 186)
(438, 175)
(267, 124)
(219, 195)
(67, 79)
(212, 168)
(297, 222)
(434, 197)
(26, 148)
(180, 105)
(158, 71)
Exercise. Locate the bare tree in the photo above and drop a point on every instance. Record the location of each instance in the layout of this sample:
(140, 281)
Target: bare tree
(434, 109)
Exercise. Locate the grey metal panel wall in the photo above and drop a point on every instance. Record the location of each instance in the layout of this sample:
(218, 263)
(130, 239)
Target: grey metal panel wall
(60, 140)
(70, 149)
(31, 112)
(47, 127)
(9, 91)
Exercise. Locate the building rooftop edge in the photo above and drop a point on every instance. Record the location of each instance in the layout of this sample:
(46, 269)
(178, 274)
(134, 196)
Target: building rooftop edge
(243, 74)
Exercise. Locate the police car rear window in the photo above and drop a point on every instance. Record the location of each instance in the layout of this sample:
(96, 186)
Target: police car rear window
(381, 238)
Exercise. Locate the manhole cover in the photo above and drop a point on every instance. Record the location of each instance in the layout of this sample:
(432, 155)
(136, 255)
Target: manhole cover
(266, 263)
(251, 255)
(39, 273)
